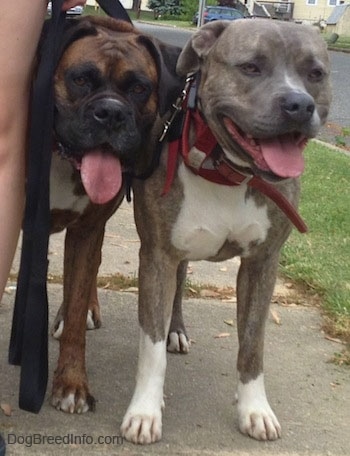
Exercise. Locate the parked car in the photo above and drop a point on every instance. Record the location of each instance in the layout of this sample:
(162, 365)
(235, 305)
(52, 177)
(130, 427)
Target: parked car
(75, 11)
(215, 13)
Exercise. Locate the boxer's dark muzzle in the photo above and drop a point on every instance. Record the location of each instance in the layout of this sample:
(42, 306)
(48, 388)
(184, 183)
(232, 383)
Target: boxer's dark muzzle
(105, 122)
(101, 139)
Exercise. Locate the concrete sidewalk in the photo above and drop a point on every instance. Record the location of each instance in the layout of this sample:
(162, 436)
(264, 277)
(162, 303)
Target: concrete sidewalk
(310, 396)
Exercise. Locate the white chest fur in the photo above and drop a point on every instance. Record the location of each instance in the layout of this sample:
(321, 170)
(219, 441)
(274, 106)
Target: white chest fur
(212, 214)
(62, 187)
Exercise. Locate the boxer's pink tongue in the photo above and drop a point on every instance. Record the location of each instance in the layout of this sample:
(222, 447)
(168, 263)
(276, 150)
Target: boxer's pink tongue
(101, 175)
(283, 155)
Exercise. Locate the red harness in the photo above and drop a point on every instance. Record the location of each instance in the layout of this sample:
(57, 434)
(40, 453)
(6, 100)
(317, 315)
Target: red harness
(200, 159)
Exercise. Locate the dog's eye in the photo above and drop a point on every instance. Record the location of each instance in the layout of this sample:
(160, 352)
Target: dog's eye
(80, 81)
(138, 89)
(316, 75)
(250, 69)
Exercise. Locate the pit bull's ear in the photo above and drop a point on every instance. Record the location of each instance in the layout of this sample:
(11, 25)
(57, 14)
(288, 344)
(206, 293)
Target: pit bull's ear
(199, 46)
(170, 83)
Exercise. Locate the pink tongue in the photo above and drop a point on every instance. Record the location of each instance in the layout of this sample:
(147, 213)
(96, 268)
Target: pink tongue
(283, 156)
(101, 175)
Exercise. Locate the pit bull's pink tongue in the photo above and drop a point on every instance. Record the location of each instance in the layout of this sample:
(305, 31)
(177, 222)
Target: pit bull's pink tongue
(283, 155)
(101, 175)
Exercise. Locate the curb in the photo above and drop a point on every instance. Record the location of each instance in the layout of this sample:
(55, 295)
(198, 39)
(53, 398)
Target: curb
(331, 146)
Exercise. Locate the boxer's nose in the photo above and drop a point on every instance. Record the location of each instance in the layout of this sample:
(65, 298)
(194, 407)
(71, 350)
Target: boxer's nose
(298, 106)
(109, 113)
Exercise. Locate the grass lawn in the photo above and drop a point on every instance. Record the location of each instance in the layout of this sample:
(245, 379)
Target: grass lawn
(146, 16)
(320, 259)
(343, 42)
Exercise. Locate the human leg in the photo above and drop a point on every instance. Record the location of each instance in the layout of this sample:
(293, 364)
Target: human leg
(20, 28)
(19, 34)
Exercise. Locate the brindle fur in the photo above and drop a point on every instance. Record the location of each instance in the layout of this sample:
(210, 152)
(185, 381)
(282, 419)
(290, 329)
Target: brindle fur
(101, 59)
(292, 61)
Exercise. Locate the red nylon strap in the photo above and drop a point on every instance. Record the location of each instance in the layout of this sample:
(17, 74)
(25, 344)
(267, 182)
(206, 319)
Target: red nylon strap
(173, 152)
(223, 173)
(268, 190)
(205, 140)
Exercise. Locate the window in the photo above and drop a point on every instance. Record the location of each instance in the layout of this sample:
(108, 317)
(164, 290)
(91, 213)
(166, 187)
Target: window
(312, 2)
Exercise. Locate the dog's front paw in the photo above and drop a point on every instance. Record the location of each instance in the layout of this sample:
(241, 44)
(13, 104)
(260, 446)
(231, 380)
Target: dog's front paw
(255, 416)
(259, 423)
(71, 396)
(142, 428)
(178, 342)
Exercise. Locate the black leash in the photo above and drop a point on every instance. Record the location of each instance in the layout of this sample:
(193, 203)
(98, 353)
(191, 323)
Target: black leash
(29, 336)
(114, 9)
(28, 345)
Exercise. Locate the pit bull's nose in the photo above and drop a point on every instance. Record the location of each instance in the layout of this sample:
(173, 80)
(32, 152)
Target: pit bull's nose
(108, 113)
(298, 106)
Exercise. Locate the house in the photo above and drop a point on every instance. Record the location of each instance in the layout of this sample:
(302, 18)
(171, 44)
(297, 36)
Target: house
(298, 10)
(314, 10)
(339, 21)
(126, 3)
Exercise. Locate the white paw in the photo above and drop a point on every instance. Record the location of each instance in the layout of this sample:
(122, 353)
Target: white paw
(90, 324)
(259, 423)
(58, 325)
(255, 415)
(57, 333)
(178, 343)
(69, 404)
(142, 427)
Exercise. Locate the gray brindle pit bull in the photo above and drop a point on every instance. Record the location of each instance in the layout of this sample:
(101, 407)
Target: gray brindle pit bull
(264, 90)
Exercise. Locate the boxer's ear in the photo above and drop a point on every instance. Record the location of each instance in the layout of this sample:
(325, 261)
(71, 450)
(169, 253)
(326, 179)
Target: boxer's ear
(74, 29)
(199, 46)
(170, 83)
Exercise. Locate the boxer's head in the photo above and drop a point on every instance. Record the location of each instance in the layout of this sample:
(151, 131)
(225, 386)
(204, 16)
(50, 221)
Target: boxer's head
(111, 84)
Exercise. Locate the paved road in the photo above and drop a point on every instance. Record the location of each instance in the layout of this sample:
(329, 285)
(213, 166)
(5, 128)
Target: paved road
(310, 395)
(340, 108)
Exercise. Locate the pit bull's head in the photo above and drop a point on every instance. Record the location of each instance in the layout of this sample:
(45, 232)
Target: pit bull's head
(274, 91)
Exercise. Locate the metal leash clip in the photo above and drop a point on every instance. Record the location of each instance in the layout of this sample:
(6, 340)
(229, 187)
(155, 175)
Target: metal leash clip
(178, 105)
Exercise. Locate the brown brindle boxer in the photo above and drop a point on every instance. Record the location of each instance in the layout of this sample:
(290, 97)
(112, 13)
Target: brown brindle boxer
(113, 85)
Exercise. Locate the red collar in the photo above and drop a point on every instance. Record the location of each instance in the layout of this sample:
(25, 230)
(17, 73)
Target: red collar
(200, 159)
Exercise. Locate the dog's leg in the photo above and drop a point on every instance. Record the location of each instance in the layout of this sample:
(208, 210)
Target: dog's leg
(157, 283)
(255, 284)
(93, 320)
(82, 258)
(178, 341)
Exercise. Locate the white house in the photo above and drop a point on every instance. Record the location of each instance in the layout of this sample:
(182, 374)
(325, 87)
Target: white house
(126, 3)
